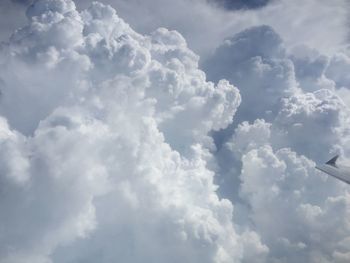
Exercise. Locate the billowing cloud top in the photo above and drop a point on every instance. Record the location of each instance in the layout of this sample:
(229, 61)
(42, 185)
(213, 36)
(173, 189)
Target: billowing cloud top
(115, 147)
(102, 135)
(290, 116)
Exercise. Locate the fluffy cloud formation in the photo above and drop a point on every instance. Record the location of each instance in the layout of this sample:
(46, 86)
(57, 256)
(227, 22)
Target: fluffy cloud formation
(205, 24)
(104, 144)
(261, 71)
(106, 135)
(291, 117)
(293, 207)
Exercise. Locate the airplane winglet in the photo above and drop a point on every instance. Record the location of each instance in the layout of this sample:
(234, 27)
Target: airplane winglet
(333, 161)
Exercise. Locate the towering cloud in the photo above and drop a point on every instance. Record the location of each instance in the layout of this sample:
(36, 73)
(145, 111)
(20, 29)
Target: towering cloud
(104, 144)
(116, 146)
(290, 117)
(255, 60)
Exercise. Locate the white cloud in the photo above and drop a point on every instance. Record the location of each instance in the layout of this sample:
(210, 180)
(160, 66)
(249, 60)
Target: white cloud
(205, 25)
(318, 24)
(293, 206)
(91, 167)
(292, 118)
(105, 149)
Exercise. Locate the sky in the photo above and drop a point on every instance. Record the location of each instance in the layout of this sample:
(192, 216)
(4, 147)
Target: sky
(173, 131)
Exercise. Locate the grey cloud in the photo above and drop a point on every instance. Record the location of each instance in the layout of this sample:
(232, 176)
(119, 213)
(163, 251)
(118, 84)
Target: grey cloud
(255, 61)
(12, 17)
(23, 2)
(290, 117)
(339, 64)
(242, 4)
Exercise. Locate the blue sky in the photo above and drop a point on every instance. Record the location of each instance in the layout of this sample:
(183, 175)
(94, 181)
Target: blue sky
(173, 131)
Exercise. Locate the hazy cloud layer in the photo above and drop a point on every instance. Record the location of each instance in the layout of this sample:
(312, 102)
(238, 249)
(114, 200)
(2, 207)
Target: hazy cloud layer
(12, 16)
(23, 2)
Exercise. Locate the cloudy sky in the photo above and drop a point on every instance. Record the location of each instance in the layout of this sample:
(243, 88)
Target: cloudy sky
(173, 131)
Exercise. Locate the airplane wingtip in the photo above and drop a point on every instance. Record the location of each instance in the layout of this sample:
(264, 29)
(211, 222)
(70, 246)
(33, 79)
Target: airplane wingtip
(333, 161)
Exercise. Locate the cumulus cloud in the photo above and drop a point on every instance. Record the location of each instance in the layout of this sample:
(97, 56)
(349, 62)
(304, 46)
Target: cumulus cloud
(261, 71)
(291, 117)
(294, 90)
(113, 142)
(205, 24)
(336, 71)
(104, 144)
(293, 206)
